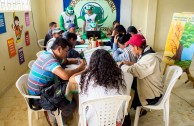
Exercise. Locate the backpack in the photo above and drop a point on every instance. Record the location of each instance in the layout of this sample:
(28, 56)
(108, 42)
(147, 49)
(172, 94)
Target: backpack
(53, 96)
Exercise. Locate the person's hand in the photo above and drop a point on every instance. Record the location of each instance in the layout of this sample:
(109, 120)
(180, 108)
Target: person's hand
(128, 63)
(119, 63)
(116, 39)
(82, 63)
(114, 33)
(82, 41)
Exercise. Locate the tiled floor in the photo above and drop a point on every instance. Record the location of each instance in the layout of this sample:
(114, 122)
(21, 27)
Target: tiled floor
(13, 110)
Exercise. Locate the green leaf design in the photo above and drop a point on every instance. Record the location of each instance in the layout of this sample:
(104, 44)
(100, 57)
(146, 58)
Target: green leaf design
(102, 21)
(81, 17)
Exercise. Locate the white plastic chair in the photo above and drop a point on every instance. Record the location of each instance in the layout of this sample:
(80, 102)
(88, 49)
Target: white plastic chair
(41, 44)
(21, 85)
(40, 52)
(163, 103)
(30, 63)
(106, 109)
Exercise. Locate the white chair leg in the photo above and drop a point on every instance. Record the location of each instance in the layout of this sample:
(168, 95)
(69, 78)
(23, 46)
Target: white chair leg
(166, 107)
(29, 117)
(138, 109)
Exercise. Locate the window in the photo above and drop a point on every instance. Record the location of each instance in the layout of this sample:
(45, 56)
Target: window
(15, 5)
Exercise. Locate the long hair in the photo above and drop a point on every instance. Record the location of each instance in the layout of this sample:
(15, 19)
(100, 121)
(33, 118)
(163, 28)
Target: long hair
(104, 71)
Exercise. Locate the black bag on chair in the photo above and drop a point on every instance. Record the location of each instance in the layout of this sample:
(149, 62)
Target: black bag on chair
(53, 96)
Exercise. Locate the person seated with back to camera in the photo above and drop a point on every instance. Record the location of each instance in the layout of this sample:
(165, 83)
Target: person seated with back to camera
(120, 51)
(72, 29)
(148, 87)
(49, 35)
(93, 27)
(47, 66)
(56, 32)
(101, 78)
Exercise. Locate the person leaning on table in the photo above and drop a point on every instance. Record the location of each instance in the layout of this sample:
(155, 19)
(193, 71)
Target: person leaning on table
(149, 87)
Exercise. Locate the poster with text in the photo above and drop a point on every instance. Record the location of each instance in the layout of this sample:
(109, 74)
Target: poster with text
(27, 38)
(27, 19)
(11, 47)
(179, 48)
(2, 23)
(106, 11)
(21, 55)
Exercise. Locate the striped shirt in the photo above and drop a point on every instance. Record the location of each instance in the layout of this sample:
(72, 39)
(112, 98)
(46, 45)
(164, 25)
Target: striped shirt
(42, 72)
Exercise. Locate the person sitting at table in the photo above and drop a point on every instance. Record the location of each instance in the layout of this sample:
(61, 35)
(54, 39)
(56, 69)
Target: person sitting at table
(120, 51)
(132, 31)
(149, 88)
(119, 29)
(110, 30)
(72, 29)
(47, 66)
(101, 78)
(49, 35)
(56, 32)
(93, 28)
(72, 53)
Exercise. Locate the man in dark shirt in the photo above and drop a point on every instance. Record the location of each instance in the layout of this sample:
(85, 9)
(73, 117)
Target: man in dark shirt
(48, 36)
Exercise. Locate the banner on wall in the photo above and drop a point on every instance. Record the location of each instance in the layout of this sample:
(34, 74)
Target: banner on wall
(2, 23)
(17, 27)
(21, 55)
(179, 48)
(27, 38)
(107, 11)
(27, 19)
(11, 47)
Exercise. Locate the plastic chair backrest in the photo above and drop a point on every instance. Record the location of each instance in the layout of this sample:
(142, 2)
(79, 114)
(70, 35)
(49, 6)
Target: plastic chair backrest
(41, 43)
(30, 63)
(106, 109)
(177, 71)
(21, 85)
(40, 52)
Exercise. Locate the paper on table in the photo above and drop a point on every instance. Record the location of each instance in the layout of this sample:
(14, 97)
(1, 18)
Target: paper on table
(88, 53)
(71, 67)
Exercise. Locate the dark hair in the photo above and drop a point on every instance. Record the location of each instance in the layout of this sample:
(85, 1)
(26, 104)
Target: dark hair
(104, 71)
(120, 29)
(52, 23)
(114, 22)
(122, 39)
(132, 29)
(60, 42)
(16, 18)
(71, 35)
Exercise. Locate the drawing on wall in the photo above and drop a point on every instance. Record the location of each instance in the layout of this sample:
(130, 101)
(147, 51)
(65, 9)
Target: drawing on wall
(17, 27)
(179, 48)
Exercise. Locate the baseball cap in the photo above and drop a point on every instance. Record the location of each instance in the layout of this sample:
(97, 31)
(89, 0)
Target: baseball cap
(88, 7)
(70, 10)
(56, 30)
(71, 25)
(137, 40)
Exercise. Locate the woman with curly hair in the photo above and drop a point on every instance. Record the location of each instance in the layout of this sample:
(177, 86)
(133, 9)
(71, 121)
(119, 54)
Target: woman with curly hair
(102, 78)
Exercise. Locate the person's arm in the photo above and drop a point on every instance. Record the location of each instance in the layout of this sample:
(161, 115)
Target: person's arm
(84, 28)
(143, 68)
(66, 74)
(118, 54)
(61, 23)
(75, 21)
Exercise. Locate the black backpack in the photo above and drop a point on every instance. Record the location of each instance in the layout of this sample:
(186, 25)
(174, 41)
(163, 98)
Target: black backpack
(53, 96)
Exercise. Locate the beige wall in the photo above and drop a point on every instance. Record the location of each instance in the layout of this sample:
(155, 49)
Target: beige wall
(165, 11)
(10, 69)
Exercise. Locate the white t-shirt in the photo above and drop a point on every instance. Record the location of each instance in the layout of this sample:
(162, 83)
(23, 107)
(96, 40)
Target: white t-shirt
(99, 91)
